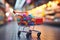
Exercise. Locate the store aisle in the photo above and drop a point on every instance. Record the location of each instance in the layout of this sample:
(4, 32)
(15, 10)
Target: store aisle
(10, 30)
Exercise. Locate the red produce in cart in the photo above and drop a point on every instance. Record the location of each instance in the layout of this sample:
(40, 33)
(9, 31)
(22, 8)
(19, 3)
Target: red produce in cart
(39, 21)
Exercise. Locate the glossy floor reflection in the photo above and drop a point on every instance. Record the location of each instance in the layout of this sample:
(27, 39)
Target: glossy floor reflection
(10, 30)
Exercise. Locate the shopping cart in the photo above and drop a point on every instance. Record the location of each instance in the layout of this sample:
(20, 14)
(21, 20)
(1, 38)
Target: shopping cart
(27, 21)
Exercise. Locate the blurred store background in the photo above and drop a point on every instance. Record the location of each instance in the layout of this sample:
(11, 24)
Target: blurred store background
(47, 10)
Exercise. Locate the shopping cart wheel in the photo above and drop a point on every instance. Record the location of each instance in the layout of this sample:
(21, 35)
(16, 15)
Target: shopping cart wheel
(38, 34)
(28, 34)
(19, 32)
